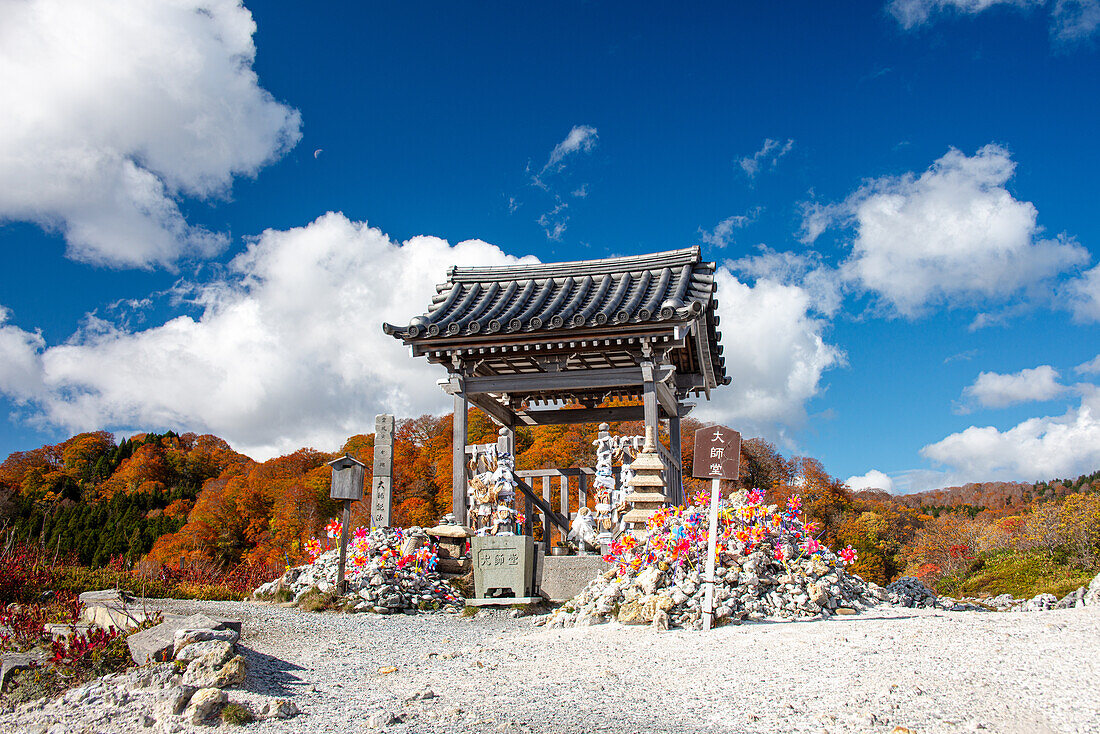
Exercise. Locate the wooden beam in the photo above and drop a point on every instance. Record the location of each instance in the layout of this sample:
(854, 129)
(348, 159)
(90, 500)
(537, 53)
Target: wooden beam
(572, 416)
(500, 413)
(667, 400)
(458, 457)
(677, 490)
(567, 380)
(544, 507)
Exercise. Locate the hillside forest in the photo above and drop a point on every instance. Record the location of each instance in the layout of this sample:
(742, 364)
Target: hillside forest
(156, 502)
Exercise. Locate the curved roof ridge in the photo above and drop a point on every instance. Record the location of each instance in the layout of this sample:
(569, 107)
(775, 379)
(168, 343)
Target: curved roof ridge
(485, 274)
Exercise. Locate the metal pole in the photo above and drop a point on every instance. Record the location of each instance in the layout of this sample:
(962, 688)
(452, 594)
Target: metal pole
(712, 546)
(341, 584)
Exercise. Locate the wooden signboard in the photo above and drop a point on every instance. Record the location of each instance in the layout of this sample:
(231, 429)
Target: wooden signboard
(382, 482)
(717, 456)
(717, 453)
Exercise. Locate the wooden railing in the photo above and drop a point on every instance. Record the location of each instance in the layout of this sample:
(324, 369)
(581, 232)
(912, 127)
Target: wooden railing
(558, 506)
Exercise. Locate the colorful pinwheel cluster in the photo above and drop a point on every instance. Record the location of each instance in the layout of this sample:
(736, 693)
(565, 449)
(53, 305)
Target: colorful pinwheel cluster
(365, 545)
(678, 535)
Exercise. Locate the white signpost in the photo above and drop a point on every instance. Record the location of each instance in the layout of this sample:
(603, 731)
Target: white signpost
(717, 456)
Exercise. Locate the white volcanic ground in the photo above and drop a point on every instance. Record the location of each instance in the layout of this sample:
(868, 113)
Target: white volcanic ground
(925, 670)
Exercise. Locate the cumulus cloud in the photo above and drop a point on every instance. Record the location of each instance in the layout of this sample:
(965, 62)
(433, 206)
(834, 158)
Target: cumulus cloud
(114, 110)
(993, 390)
(287, 352)
(873, 479)
(1082, 296)
(768, 156)
(1038, 448)
(953, 235)
(1092, 367)
(19, 366)
(805, 270)
(774, 380)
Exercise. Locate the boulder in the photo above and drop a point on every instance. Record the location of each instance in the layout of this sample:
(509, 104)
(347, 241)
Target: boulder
(204, 704)
(157, 644)
(277, 709)
(219, 650)
(212, 671)
(187, 636)
(1092, 596)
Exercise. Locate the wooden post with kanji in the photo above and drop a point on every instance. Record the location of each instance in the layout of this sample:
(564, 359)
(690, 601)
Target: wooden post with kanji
(347, 485)
(717, 456)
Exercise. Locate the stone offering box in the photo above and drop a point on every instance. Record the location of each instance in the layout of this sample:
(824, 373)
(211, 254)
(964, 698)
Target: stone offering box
(504, 570)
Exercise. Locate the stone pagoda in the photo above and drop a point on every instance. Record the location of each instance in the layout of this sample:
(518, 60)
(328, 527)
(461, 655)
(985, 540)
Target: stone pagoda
(647, 493)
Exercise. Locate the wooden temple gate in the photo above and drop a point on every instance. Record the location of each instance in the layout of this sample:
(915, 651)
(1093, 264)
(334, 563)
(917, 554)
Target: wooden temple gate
(576, 342)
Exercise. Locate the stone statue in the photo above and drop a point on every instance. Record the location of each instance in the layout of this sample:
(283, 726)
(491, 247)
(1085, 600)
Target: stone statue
(582, 532)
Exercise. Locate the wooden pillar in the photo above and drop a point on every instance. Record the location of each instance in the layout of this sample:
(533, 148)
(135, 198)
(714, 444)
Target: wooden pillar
(458, 456)
(676, 486)
(546, 526)
(649, 397)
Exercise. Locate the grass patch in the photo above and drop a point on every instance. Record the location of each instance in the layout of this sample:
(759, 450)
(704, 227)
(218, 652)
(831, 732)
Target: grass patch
(469, 611)
(464, 584)
(1022, 574)
(237, 714)
(316, 600)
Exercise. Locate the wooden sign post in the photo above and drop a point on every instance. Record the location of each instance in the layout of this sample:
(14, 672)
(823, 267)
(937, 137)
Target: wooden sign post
(717, 456)
(347, 485)
(381, 486)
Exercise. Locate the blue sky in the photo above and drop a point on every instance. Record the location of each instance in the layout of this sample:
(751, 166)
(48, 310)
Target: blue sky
(207, 209)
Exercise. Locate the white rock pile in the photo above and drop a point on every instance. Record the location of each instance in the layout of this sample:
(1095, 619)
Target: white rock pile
(754, 587)
(909, 591)
(378, 585)
(186, 665)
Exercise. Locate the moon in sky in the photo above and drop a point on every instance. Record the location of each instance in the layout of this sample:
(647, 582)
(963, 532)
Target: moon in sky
(317, 152)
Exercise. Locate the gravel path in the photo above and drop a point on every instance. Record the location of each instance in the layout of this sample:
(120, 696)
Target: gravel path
(926, 670)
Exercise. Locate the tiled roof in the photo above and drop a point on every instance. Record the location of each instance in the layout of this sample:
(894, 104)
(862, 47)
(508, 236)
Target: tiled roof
(664, 286)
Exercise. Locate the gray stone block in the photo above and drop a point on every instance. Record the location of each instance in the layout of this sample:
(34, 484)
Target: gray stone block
(13, 661)
(156, 644)
(563, 577)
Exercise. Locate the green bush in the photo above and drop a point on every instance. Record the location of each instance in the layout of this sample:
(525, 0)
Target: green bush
(237, 714)
(1020, 573)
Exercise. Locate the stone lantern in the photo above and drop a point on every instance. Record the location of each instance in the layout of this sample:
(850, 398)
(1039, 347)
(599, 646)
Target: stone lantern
(647, 493)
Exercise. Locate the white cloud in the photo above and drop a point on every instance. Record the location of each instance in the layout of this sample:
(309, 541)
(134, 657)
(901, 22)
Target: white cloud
(19, 366)
(287, 352)
(113, 110)
(873, 479)
(581, 139)
(953, 236)
(1082, 296)
(555, 221)
(769, 154)
(1092, 367)
(722, 234)
(1071, 21)
(805, 270)
(1075, 20)
(912, 13)
(781, 372)
(288, 349)
(993, 390)
(1038, 448)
